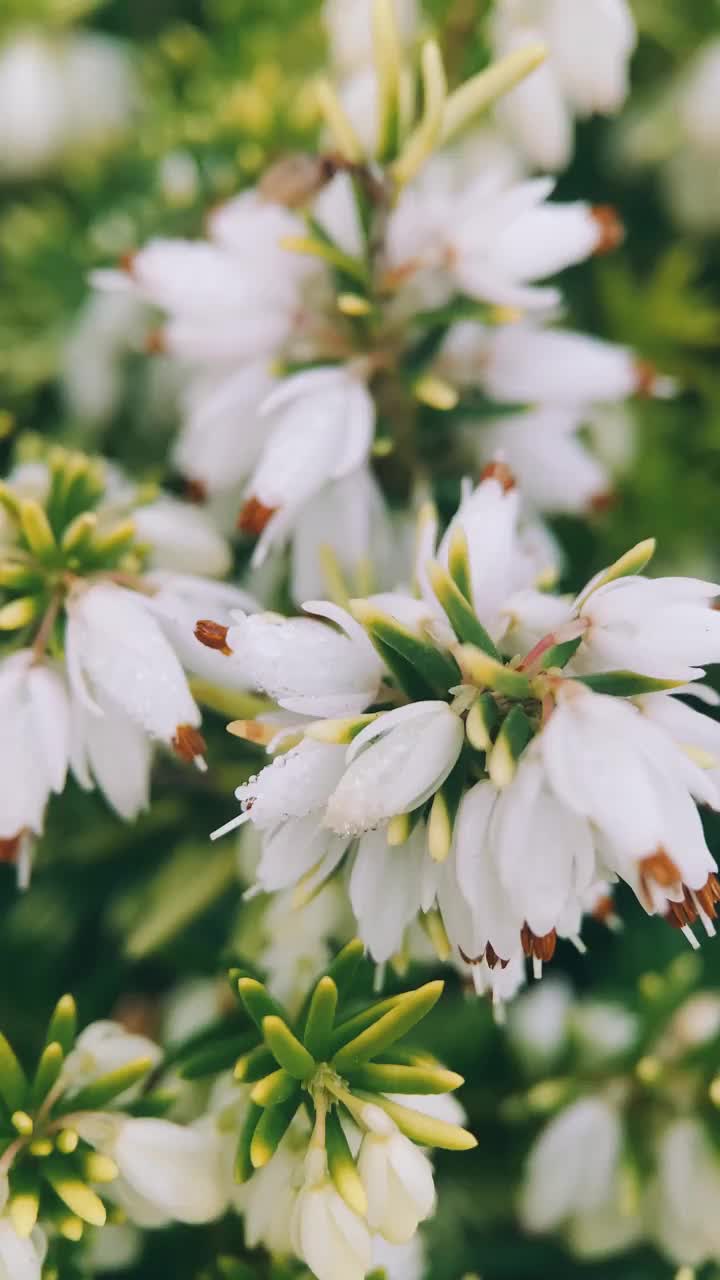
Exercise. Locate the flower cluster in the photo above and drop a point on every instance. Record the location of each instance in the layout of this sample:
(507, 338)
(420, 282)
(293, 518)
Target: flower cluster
(332, 1118)
(95, 622)
(640, 1092)
(80, 1148)
(487, 749)
(388, 296)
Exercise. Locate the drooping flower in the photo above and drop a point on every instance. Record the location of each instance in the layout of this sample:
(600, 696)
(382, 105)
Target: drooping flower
(586, 70)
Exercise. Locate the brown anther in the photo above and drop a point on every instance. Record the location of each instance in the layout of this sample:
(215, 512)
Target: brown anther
(469, 959)
(491, 957)
(681, 914)
(660, 867)
(611, 231)
(127, 261)
(645, 378)
(600, 503)
(709, 895)
(196, 492)
(604, 909)
(540, 946)
(213, 635)
(155, 343)
(295, 179)
(189, 744)
(10, 848)
(254, 517)
(501, 472)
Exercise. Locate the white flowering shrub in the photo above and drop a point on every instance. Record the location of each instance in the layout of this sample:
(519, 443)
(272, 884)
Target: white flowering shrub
(356, 361)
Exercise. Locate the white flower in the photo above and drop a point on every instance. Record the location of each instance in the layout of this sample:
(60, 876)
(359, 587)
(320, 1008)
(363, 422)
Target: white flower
(609, 764)
(174, 1170)
(306, 665)
(34, 741)
(327, 1234)
(111, 750)
(502, 557)
(496, 238)
(20, 1258)
(399, 1261)
(179, 602)
(182, 538)
(116, 652)
(394, 765)
(223, 432)
(388, 887)
(209, 294)
(685, 1222)
(496, 919)
(320, 425)
(102, 336)
(589, 47)
(554, 469)
(544, 852)
(398, 1180)
(555, 366)
(662, 627)
(538, 1024)
(560, 1178)
(103, 1047)
(56, 94)
(349, 519)
(602, 1029)
(267, 1201)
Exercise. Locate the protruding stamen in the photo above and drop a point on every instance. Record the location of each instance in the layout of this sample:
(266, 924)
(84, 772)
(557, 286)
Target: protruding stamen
(539, 946)
(196, 491)
(254, 517)
(501, 472)
(690, 937)
(231, 825)
(190, 746)
(213, 635)
(611, 231)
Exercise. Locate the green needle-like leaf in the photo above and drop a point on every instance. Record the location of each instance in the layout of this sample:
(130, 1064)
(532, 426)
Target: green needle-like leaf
(108, 1087)
(467, 627)
(258, 1002)
(389, 1077)
(320, 1019)
(271, 1129)
(47, 1073)
(409, 1010)
(13, 1083)
(243, 1167)
(273, 1089)
(62, 1027)
(423, 1129)
(289, 1052)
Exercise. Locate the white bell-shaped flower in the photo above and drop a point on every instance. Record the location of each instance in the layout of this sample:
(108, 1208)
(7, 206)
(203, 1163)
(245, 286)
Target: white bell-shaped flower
(399, 1261)
(223, 431)
(176, 1170)
(306, 665)
(609, 764)
(320, 425)
(21, 1258)
(112, 751)
(103, 1047)
(327, 1234)
(586, 69)
(555, 366)
(115, 648)
(685, 1222)
(544, 852)
(574, 481)
(497, 920)
(179, 601)
(560, 1180)
(394, 765)
(182, 538)
(664, 627)
(398, 1180)
(388, 887)
(34, 741)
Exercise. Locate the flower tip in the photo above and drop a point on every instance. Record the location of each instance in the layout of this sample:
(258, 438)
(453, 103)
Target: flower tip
(190, 746)
(501, 472)
(254, 517)
(213, 635)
